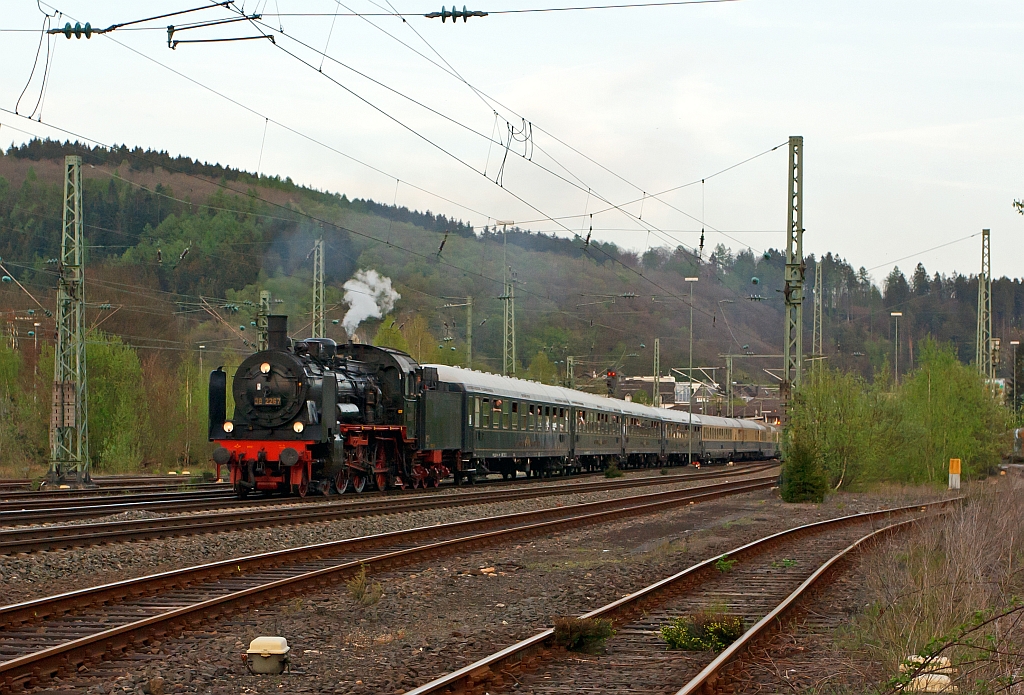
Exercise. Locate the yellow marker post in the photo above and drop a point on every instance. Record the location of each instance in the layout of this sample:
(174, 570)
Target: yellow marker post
(954, 474)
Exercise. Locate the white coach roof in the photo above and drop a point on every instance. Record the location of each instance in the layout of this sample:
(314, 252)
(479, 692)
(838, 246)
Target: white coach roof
(510, 387)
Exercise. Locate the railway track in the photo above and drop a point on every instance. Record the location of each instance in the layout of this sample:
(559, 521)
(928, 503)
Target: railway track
(44, 637)
(18, 489)
(52, 507)
(54, 537)
(44, 503)
(768, 580)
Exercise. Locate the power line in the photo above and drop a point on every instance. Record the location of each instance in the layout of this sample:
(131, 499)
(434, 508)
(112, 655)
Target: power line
(522, 11)
(286, 127)
(448, 68)
(466, 164)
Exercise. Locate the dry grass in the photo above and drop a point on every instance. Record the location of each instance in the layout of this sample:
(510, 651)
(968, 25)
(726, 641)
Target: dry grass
(953, 589)
(586, 635)
(365, 592)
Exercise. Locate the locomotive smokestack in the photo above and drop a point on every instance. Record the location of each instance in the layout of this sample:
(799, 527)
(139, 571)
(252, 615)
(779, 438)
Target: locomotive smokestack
(277, 332)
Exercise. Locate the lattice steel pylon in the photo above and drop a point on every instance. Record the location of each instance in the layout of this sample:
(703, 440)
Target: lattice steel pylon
(983, 349)
(657, 374)
(69, 419)
(793, 344)
(817, 342)
(508, 361)
(263, 322)
(508, 352)
(318, 289)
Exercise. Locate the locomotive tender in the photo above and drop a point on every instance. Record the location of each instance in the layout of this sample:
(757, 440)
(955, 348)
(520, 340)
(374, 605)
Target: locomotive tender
(313, 415)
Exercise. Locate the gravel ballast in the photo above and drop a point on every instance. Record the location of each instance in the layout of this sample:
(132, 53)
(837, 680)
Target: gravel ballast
(32, 575)
(444, 614)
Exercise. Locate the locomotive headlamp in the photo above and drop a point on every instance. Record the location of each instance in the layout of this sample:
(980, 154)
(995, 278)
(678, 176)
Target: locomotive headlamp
(265, 367)
(298, 427)
(229, 426)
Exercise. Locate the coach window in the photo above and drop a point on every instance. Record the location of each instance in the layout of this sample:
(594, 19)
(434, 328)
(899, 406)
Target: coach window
(496, 414)
(515, 415)
(485, 412)
(505, 414)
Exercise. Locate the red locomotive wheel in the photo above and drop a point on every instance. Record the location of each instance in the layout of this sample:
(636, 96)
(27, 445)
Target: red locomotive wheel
(380, 467)
(342, 482)
(358, 482)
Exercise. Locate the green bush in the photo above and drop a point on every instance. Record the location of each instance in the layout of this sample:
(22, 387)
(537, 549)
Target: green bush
(586, 635)
(861, 433)
(703, 632)
(725, 563)
(612, 471)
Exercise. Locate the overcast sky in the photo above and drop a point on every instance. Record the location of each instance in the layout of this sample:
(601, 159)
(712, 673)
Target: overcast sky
(911, 113)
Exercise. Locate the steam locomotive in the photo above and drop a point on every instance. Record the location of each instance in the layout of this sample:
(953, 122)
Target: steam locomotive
(313, 415)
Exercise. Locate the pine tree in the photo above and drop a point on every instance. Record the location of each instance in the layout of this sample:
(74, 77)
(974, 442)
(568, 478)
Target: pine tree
(803, 480)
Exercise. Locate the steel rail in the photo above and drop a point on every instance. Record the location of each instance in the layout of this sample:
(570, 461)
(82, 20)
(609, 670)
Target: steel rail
(73, 654)
(8, 494)
(16, 514)
(32, 610)
(711, 677)
(531, 648)
(22, 540)
(117, 501)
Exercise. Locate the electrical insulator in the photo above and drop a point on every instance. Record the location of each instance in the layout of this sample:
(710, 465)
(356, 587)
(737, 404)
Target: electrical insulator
(78, 30)
(455, 14)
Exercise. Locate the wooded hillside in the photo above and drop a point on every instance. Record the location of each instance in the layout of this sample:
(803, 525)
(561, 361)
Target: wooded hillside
(179, 250)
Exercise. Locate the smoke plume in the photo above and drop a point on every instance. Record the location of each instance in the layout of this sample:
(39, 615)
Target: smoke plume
(369, 295)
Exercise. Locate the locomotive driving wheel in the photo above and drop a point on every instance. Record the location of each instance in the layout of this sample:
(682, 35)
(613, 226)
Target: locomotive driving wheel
(382, 476)
(303, 486)
(358, 481)
(353, 476)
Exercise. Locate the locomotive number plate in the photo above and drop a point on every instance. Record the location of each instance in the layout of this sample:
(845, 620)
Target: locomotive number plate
(266, 400)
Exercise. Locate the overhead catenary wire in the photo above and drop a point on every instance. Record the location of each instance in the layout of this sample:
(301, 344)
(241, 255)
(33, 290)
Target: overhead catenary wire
(518, 198)
(579, 8)
(462, 161)
(450, 69)
(489, 102)
(370, 237)
(292, 211)
(282, 125)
